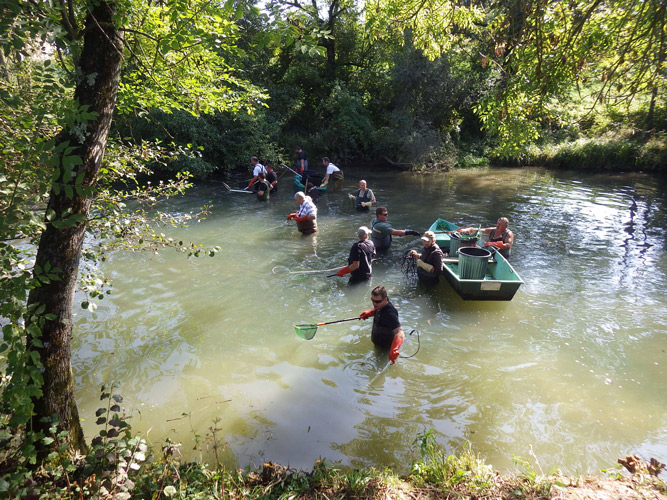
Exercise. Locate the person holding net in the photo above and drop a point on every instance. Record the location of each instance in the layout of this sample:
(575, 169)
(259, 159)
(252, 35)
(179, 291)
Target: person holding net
(387, 331)
(360, 261)
(306, 217)
(429, 261)
(262, 187)
(257, 167)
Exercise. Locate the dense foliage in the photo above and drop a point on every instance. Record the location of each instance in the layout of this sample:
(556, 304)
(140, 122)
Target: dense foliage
(442, 84)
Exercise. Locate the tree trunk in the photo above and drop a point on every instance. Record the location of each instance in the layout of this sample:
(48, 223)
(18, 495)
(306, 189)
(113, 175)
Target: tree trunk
(330, 45)
(99, 73)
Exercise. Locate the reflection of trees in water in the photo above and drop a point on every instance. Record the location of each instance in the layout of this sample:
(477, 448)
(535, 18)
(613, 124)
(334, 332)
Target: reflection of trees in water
(641, 229)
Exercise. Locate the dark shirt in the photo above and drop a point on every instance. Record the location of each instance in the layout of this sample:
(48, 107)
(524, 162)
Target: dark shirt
(385, 322)
(301, 156)
(433, 255)
(271, 177)
(262, 185)
(362, 251)
(493, 237)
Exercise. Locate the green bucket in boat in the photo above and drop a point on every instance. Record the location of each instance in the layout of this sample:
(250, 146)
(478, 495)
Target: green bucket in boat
(473, 262)
(457, 241)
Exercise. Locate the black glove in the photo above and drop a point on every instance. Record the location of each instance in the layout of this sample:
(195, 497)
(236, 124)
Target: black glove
(412, 232)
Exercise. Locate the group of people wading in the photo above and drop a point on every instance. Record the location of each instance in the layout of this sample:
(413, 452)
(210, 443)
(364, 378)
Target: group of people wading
(387, 332)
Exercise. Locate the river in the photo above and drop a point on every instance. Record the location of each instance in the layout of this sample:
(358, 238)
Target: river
(570, 374)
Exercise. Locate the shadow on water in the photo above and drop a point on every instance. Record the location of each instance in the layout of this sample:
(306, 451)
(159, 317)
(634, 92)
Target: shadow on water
(571, 369)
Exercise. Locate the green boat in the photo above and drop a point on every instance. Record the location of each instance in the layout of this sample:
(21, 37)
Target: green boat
(500, 281)
(299, 185)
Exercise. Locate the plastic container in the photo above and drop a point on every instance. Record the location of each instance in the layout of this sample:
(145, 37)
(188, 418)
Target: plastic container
(473, 262)
(456, 242)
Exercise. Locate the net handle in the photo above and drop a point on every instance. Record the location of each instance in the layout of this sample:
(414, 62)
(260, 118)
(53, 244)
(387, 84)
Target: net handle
(337, 321)
(285, 270)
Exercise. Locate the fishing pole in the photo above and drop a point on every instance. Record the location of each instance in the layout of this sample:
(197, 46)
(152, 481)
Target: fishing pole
(282, 164)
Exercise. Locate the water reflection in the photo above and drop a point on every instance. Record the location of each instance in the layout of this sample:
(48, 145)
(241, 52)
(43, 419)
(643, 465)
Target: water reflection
(571, 368)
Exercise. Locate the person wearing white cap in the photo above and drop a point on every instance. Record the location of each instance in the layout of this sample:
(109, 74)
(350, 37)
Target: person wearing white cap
(429, 261)
(360, 261)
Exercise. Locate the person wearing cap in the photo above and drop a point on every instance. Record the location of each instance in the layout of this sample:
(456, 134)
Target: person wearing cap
(382, 232)
(363, 197)
(360, 261)
(429, 261)
(333, 172)
(306, 216)
(262, 187)
(500, 237)
(387, 331)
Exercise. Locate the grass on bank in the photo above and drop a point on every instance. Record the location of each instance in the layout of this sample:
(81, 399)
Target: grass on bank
(622, 150)
(120, 465)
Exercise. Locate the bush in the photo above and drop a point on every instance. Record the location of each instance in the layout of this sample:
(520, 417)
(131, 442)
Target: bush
(622, 150)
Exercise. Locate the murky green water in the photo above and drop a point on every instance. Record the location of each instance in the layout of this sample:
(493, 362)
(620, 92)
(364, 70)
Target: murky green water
(571, 371)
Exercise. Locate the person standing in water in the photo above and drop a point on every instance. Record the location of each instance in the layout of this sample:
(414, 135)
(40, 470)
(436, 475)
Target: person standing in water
(387, 331)
(360, 261)
(363, 197)
(500, 237)
(306, 216)
(334, 173)
(382, 232)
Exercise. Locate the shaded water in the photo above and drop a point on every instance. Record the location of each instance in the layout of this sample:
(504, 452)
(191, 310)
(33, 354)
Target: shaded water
(571, 371)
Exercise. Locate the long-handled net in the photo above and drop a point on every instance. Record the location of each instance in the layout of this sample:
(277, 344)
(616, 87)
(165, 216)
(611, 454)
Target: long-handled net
(307, 331)
(286, 270)
(228, 188)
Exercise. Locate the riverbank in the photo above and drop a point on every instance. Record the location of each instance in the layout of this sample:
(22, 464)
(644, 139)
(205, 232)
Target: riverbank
(125, 472)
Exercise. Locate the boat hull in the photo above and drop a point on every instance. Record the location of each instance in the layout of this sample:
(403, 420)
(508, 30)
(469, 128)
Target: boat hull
(501, 281)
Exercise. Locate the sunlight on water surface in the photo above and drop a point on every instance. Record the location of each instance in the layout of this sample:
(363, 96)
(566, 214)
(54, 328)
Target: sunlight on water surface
(572, 370)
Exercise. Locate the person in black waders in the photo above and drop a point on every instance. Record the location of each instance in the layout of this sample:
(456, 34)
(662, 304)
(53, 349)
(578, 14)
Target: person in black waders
(387, 331)
(360, 261)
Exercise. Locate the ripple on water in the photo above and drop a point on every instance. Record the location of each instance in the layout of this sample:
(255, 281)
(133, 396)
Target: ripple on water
(571, 368)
